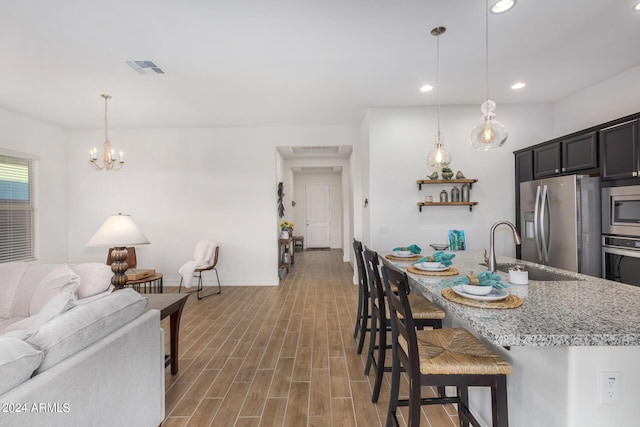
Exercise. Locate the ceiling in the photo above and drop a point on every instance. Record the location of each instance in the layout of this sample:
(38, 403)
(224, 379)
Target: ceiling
(296, 62)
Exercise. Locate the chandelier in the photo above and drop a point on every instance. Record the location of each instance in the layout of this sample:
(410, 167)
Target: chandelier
(109, 162)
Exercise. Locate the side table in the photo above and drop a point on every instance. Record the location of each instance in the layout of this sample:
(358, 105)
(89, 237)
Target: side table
(154, 282)
(169, 305)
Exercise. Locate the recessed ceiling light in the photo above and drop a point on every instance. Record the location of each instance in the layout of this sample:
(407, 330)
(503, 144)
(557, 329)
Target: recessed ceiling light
(502, 6)
(637, 7)
(426, 88)
(518, 85)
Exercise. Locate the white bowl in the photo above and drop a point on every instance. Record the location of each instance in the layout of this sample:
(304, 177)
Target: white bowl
(431, 264)
(477, 289)
(402, 253)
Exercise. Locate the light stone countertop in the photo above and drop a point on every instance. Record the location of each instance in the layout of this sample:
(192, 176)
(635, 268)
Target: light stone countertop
(587, 312)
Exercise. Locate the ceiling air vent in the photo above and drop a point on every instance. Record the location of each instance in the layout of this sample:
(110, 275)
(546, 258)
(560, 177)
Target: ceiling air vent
(145, 67)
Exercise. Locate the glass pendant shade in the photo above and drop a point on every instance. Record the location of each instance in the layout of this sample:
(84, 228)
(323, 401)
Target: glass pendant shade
(439, 157)
(490, 133)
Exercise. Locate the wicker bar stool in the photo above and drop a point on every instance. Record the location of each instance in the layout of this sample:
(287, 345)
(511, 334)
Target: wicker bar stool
(440, 357)
(362, 314)
(427, 315)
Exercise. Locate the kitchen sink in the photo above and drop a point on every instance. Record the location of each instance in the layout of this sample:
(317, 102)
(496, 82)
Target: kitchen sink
(537, 273)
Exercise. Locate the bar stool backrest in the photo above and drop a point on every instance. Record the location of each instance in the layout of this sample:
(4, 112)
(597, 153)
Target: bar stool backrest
(362, 274)
(402, 323)
(375, 284)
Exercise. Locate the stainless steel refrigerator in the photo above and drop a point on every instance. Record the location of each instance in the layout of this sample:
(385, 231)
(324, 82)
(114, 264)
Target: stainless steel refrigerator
(560, 221)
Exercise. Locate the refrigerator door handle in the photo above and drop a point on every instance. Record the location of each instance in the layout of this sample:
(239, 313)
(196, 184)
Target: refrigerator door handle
(544, 233)
(536, 224)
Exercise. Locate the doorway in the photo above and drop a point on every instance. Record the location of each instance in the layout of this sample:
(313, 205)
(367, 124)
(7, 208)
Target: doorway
(318, 215)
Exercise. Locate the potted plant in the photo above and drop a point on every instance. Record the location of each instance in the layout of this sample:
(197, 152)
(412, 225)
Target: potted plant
(286, 229)
(447, 173)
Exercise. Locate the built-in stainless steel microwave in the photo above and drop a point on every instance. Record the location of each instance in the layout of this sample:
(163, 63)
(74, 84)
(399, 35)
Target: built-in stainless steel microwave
(621, 210)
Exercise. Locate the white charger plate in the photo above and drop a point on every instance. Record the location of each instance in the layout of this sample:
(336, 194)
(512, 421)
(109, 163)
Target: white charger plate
(420, 266)
(495, 295)
(404, 254)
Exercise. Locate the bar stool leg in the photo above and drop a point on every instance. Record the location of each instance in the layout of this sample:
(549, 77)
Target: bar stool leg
(499, 402)
(382, 351)
(359, 312)
(415, 397)
(372, 341)
(363, 322)
(395, 390)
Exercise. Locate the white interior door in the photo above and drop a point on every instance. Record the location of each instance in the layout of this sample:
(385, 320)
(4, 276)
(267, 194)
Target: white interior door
(318, 215)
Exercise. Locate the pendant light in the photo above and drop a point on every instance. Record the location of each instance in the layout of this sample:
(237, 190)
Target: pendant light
(439, 157)
(490, 133)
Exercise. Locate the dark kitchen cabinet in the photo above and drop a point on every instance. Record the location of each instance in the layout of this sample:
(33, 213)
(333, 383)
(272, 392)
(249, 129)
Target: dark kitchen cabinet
(580, 153)
(620, 151)
(524, 166)
(574, 154)
(547, 160)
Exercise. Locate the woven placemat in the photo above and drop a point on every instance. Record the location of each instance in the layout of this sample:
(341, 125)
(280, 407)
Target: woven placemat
(451, 271)
(512, 301)
(398, 258)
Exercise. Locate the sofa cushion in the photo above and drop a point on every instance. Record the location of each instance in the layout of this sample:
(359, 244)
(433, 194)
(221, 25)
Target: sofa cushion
(58, 305)
(11, 273)
(85, 324)
(61, 280)
(95, 278)
(18, 360)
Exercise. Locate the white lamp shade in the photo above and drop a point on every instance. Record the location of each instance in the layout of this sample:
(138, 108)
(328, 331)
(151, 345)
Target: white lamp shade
(118, 231)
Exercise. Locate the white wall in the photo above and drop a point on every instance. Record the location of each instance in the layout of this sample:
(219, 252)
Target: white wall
(334, 180)
(400, 139)
(609, 100)
(182, 185)
(26, 135)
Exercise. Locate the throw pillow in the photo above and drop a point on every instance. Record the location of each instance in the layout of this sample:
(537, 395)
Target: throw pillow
(18, 360)
(78, 328)
(11, 273)
(58, 305)
(95, 278)
(60, 280)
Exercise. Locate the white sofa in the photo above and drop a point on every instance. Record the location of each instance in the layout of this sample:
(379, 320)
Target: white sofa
(69, 361)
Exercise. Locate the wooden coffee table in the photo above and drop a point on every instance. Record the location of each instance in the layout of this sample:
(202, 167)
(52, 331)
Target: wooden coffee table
(169, 305)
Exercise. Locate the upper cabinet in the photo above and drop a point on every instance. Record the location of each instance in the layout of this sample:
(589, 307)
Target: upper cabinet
(574, 154)
(547, 160)
(580, 153)
(524, 166)
(619, 145)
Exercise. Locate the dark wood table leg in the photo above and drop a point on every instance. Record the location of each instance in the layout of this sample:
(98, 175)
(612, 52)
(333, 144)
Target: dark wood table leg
(174, 323)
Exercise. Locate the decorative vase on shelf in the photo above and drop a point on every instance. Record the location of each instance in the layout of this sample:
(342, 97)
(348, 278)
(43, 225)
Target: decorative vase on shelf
(447, 173)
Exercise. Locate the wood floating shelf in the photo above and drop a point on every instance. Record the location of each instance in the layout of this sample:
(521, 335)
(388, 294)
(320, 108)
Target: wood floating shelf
(446, 181)
(470, 204)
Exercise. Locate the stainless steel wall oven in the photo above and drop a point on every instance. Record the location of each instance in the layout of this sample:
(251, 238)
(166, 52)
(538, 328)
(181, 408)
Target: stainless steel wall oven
(621, 234)
(621, 259)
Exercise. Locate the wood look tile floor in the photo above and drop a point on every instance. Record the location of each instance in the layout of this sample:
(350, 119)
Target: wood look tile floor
(280, 356)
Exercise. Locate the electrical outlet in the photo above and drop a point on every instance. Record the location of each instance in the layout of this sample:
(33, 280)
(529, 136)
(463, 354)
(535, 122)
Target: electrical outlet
(610, 387)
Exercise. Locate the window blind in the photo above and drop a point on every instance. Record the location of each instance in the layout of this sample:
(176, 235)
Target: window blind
(18, 208)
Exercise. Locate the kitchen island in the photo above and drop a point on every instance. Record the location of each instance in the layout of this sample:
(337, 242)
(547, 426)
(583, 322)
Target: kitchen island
(562, 342)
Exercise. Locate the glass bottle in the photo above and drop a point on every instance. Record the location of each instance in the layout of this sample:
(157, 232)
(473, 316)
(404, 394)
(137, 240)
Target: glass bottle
(465, 192)
(455, 194)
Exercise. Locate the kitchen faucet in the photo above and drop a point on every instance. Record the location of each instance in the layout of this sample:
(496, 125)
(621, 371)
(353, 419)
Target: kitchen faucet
(492, 252)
